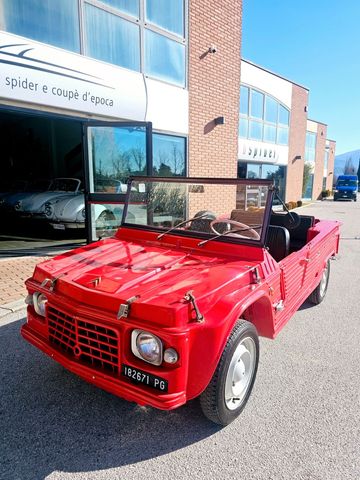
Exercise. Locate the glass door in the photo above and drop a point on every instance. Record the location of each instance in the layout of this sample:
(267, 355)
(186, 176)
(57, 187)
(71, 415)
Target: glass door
(113, 153)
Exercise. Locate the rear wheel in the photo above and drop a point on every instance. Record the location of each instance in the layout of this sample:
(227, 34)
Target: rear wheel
(318, 295)
(230, 387)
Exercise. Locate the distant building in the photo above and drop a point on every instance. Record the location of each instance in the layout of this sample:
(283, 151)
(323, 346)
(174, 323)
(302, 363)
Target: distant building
(276, 138)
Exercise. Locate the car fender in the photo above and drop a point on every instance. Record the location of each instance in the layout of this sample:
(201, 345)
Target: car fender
(98, 209)
(209, 339)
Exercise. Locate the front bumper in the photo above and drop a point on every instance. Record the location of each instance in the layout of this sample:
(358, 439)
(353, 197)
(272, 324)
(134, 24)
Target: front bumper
(347, 195)
(123, 389)
(59, 225)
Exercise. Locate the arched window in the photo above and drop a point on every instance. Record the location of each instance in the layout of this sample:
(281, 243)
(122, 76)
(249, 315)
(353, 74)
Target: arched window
(262, 117)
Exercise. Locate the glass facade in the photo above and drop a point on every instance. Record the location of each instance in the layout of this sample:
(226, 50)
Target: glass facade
(262, 117)
(141, 35)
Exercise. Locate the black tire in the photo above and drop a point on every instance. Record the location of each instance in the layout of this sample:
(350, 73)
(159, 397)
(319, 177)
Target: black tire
(318, 295)
(213, 399)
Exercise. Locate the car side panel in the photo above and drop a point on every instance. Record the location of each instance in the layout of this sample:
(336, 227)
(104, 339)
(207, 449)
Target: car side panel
(302, 270)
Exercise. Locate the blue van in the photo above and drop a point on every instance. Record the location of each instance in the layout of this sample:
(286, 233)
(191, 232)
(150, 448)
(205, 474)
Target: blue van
(346, 187)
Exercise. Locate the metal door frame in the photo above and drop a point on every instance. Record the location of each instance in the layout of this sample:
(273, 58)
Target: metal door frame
(91, 197)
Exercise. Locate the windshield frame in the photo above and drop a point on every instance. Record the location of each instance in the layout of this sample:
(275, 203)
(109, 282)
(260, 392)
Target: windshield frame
(207, 180)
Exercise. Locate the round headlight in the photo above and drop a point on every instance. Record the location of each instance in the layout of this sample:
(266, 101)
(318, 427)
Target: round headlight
(83, 213)
(17, 205)
(147, 346)
(48, 209)
(39, 300)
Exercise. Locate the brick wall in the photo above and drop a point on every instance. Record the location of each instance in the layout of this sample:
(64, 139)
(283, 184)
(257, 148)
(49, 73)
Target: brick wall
(330, 168)
(214, 87)
(319, 161)
(295, 170)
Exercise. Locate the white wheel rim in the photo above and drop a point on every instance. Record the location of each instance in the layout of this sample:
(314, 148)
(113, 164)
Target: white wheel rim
(240, 373)
(323, 281)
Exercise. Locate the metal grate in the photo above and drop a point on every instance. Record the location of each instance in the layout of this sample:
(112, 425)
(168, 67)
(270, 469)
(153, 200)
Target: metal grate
(84, 340)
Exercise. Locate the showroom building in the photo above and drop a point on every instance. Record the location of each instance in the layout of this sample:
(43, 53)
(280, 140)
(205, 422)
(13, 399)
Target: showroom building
(92, 91)
(276, 138)
(98, 90)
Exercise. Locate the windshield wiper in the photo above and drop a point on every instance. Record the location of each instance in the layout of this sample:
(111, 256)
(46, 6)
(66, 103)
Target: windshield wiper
(204, 242)
(159, 237)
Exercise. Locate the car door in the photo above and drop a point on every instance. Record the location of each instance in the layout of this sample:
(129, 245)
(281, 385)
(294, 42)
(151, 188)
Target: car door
(113, 152)
(293, 273)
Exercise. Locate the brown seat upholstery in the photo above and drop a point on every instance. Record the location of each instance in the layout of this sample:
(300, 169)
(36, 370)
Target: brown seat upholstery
(248, 217)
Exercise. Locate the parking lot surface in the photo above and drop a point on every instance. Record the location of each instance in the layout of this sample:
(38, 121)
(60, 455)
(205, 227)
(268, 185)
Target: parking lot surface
(302, 420)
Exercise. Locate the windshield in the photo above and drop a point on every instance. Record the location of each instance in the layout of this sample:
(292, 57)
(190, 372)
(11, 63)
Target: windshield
(347, 183)
(234, 209)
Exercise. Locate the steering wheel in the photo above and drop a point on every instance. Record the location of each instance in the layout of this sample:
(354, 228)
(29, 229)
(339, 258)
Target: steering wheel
(253, 234)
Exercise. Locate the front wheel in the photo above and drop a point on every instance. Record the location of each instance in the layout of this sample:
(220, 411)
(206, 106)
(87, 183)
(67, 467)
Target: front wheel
(318, 295)
(230, 387)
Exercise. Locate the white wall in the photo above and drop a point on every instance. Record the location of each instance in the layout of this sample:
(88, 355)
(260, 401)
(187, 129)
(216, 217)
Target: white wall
(267, 82)
(35, 75)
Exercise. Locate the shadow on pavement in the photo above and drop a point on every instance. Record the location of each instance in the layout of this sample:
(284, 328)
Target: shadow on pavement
(51, 420)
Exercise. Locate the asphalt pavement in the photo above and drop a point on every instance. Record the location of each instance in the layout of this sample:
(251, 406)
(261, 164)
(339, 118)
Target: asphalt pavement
(301, 422)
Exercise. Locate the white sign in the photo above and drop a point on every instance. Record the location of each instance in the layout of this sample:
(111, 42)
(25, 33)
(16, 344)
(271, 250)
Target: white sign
(252, 151)
(36, 73)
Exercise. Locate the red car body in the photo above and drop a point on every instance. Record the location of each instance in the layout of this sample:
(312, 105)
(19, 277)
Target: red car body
(85, 288)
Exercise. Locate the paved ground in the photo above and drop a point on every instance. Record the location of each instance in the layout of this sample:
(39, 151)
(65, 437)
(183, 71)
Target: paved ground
(16, 265)
(13, 273)
(301, 423)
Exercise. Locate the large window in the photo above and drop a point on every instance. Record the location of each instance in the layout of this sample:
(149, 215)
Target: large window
(310, 147)
(164, 58)
(169, 155)
(262, 117)
(141, 35)
(48, 21)
(167, 14)
(112, 39)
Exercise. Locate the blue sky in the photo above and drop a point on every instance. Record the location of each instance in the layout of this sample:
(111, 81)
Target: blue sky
(316, 44)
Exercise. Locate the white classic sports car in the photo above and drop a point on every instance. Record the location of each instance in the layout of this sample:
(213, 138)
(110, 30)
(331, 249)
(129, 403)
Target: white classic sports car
(8, 200)
(68, 211)
(33, 205)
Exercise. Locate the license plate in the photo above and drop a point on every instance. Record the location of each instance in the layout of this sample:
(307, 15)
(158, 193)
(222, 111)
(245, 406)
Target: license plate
(138, 376)
(58, 226)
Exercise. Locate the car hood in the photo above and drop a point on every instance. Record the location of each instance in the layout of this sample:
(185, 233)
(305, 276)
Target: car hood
(36, 201)
(66, 207)
(108, 273)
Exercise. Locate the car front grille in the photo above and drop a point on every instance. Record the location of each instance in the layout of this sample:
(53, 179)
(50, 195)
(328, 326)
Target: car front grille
(84, 340)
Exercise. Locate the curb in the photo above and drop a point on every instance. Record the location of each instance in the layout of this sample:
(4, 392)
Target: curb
(12, 307)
